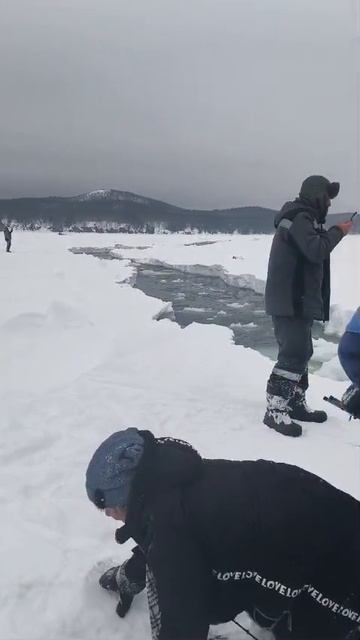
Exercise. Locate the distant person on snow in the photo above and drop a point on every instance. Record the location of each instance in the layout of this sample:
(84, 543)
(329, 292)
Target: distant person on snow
(349, 356)
(218, 537)
(8, 237)
(297, 293)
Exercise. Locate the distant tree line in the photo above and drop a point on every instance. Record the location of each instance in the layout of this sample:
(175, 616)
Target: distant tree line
(132, 214)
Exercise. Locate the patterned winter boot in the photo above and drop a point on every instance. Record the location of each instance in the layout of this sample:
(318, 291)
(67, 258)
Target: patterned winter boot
(279, 393)
(299, 409)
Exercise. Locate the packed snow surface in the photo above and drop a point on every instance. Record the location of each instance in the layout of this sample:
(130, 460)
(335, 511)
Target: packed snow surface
(82, 357)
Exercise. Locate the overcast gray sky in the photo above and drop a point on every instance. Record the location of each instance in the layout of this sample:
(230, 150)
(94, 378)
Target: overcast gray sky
(203, 103)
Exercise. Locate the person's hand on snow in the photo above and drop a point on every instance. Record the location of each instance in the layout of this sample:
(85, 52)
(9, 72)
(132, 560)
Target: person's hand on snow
(115, 579)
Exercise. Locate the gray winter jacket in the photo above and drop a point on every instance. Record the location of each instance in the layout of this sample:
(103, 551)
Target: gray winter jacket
(298, 280)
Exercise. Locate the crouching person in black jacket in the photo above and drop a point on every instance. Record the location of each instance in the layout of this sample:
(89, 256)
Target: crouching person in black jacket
(218, 537)
(297, 293)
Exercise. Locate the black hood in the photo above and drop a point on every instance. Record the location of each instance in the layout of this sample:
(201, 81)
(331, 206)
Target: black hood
(291, 209)
(316, 191)
(313, 197)
(175, 463)
(315, 187)
(166, 463)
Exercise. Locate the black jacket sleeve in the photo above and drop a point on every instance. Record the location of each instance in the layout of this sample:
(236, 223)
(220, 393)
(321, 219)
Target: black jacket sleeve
(135, 569)
(183, 584)
(314, 246)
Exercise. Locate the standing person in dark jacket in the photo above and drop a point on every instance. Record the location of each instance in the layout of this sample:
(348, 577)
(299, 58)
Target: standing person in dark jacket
(218, 537)
(349, 356)
(8, 236)
(297, 293)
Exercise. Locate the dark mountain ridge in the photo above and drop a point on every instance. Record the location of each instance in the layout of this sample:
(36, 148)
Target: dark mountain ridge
(122, 211)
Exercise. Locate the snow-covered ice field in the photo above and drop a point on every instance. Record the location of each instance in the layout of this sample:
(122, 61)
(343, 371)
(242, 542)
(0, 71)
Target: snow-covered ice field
(81, 357)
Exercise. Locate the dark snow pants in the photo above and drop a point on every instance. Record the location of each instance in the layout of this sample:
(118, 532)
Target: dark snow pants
(8, 245)
(294, 339)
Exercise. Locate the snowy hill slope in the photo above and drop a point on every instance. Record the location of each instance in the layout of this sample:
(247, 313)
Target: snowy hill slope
(111, 210)
(105, 210)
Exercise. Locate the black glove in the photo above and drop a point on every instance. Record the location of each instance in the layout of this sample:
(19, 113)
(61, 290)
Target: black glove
(115, 579)
(124, 604)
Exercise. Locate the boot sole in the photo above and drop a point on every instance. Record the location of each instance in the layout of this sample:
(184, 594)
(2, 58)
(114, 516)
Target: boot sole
(282, 433)
(292, 417)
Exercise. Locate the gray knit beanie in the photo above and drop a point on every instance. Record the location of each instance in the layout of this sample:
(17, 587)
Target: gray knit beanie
(112, 467)
(314, 186)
